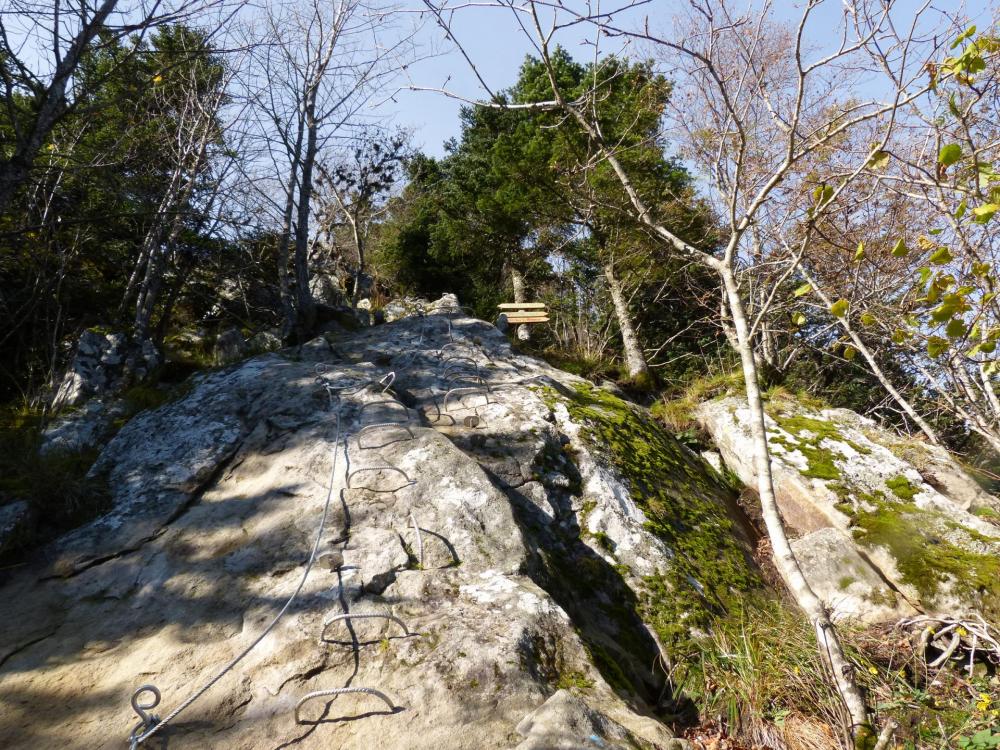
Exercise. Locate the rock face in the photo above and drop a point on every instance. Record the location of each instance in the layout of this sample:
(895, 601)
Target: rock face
(101, 364)
(538, 543)
(86, 428)
(886, 526)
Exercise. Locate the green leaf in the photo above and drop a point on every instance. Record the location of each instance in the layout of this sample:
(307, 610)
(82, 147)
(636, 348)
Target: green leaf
(960, 211)
(936, 231)
(850, 353)
(867, 319)
(822, 195)
(879, 159)
(899, 336)
(980, 269)
(955, 328)
(936, 346)
(963, 36)
(949, 154)
(860, 253)
(987, 347)
(925, 274)
(839, 308)
(941, 256)
(953, 106)
(985, 212)
(900, 250)
(798, 319)
(802, 290)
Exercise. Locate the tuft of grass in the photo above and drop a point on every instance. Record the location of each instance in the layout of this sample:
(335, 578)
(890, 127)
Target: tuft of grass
(55, 485)
(576, 680)
(759, 673)
(677, 413)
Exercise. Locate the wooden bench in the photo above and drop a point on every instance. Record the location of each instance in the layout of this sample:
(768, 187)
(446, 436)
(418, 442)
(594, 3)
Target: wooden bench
(518, 313)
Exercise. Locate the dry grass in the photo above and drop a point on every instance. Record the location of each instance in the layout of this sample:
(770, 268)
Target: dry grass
(677, 412)
(761, 686)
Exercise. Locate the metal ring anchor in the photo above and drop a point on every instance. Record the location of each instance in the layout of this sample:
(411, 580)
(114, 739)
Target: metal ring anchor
(146, 721)
(362, 616)
(341, 691)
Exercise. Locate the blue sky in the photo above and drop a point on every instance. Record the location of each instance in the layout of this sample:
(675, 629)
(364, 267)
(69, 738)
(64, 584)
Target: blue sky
(498, 47)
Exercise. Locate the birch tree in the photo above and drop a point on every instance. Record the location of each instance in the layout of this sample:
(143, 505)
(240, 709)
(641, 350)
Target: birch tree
(725, 60)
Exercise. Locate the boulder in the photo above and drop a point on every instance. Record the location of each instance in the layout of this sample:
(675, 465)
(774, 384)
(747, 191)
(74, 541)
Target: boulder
(325, 289)
(540, 542)
(265, 341)
(401, 308)
(845, 581)
(834, 470)
(230, 347)
(88, 427)
(104, 364)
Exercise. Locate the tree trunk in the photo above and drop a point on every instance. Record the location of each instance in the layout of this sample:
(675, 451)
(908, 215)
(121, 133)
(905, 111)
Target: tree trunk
(517, 280)
(635, 361)
(284, 241)
(784, 559)
(359, 243)
(305, 314)
(51, 106)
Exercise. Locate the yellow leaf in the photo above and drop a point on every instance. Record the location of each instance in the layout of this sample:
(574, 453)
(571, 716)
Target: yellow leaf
(839, 308)
(157, 78)
(873, 670)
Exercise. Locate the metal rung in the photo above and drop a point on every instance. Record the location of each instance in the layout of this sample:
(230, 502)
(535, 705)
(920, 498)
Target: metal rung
(379, 427)
(383, 426)
(386, 402)
(466, 377)
(342, 691)
(362, 616)
(454, 359)
(363, 469)
(470, 390)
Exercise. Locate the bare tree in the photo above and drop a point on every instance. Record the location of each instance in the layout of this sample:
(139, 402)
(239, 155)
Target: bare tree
(354, 191)
(726, 63)
(41, 47)
(313, 84)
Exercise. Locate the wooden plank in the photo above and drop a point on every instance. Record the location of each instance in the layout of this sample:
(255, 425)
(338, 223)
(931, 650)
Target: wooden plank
(525, 314)
(535, 319)
(522, 306)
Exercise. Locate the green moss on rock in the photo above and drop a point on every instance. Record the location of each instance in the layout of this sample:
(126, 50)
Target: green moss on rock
(685, 505)
(901, 487)
(808, 434)
(930, 553)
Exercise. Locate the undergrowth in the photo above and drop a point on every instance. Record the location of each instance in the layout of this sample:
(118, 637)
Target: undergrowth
(55, 485)
(760, 678)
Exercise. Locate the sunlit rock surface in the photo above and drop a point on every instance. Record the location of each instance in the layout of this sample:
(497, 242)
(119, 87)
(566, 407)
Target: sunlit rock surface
(542, 543)
(916, 522)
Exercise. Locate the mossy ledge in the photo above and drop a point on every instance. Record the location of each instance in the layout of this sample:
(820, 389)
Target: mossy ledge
(807, 436)
(686, 505)
(930, 551)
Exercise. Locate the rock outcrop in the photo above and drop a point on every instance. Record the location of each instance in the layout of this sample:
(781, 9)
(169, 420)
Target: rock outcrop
(886, 526)
(103, 363)
(539, 544)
